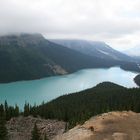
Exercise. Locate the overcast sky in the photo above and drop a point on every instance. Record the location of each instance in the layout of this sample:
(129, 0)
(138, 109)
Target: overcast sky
(116, 22)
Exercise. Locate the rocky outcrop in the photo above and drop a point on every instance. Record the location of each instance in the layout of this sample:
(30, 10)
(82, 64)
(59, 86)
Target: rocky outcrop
(56, 69)
(20, 128)
(109, 126)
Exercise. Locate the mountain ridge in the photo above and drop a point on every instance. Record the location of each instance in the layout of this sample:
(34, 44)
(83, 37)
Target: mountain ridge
(93, 48)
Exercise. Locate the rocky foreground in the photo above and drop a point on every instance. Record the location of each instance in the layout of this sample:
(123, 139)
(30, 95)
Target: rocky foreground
(108, 126)
(20, 128)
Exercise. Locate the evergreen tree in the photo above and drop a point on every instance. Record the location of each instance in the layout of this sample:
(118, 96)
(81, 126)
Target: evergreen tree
(3, 129)
(26, 110)
(45, 137)
(6, 110)
(16, 114)
(35, 133)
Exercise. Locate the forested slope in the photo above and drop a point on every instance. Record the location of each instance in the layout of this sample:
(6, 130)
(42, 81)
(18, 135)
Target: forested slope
(31, 56)
(80, 106)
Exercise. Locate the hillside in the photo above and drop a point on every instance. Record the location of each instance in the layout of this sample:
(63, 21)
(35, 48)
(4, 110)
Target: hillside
(20, 59)
(93, 48)
(102, 51)
(111, 126)
(78, 107)
(75, 109)
(108, 126)
(137, 58)
(31, 56)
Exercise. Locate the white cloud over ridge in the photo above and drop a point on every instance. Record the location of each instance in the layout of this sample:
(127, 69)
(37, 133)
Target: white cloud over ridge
(116, 22)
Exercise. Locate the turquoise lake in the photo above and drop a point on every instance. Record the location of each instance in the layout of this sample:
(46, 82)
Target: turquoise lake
(46, 89)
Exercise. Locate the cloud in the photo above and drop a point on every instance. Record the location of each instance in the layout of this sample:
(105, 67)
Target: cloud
(116, 22)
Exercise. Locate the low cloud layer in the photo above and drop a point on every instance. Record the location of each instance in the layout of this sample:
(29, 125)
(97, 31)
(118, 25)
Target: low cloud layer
(117, 22)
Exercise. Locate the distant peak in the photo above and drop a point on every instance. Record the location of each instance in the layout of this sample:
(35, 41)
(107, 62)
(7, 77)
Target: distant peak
(108, 85)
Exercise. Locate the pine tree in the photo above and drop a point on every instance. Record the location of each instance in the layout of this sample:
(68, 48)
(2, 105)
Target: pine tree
(16, 114)
(26, 110)
(45, 137)
(6, 110)
(3, 129)
(35, 133)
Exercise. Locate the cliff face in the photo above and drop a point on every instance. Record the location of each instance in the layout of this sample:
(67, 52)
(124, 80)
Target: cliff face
(20, 128)
(108, 126)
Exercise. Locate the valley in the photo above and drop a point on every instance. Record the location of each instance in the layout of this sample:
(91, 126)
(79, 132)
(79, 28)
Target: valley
(108, 126)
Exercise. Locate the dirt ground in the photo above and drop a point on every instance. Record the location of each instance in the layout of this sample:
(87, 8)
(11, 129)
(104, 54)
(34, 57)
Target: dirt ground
(109, 126)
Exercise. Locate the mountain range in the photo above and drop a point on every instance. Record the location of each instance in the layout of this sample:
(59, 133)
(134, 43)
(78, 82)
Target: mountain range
(31, 56)
(101, 50)
(93, 48)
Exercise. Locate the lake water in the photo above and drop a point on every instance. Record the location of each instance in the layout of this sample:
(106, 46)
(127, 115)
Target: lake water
(46, 89)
